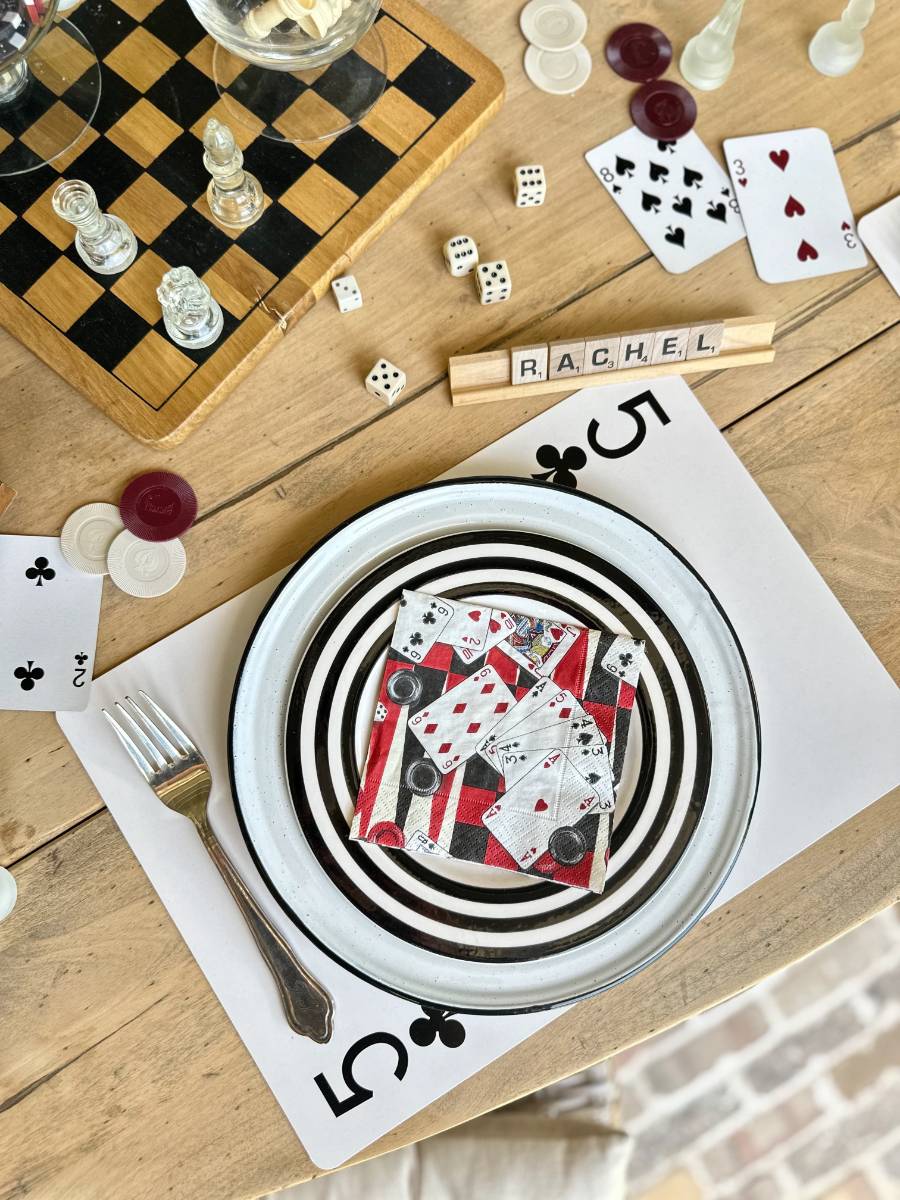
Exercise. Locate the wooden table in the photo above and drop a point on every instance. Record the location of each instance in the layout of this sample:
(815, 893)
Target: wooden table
(119, 1073)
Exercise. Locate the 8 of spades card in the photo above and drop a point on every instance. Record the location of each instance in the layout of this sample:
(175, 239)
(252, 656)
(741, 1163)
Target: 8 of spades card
(674, 193)
(798, 218)
(48, 626)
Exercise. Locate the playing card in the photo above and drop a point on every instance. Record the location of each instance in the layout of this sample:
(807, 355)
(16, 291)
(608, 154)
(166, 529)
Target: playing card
(624, 659)
(421, 620)
(880, 234)
(534, 698)
(507, 755)
(674, 193)
(552, 795)
(539, 643)
(421, 843)
(49, 614)
(451, 728)
(794, 206)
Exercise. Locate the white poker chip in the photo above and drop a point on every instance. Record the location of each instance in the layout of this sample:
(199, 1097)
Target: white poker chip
(145, 568)
(87, 536)
(560, 74)
(554, 25)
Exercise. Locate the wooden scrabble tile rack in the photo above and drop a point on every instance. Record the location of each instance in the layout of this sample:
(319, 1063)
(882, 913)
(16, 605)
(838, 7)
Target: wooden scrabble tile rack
(735, 342)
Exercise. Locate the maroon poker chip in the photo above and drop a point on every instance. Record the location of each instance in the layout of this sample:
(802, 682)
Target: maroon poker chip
(387, 833)
(665, 111)
(158, 506)
(638, 52)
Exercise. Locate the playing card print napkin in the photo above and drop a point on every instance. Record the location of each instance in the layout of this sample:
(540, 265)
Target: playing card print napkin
(499, 739)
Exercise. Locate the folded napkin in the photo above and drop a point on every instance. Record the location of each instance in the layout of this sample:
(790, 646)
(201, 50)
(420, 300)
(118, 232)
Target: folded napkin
(499, 739)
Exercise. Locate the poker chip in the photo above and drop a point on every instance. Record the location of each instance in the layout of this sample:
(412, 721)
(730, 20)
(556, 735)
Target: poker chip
(404, 687)
(553, 24)
(560, 74)
(567, 846)
(387, 833)
(638, 52)
(143, 568)
(158, 506)
(665, 111)
(422, 777)
(87, 536)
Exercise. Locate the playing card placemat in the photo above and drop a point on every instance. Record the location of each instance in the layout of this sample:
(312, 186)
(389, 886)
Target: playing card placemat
(499, 739)
(681, 478)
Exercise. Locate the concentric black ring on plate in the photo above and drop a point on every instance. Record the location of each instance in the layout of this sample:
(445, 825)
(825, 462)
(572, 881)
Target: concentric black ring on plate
(365, 873)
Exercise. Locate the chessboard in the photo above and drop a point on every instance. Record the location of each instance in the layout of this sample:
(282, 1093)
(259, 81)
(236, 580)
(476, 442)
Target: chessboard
(143, 155)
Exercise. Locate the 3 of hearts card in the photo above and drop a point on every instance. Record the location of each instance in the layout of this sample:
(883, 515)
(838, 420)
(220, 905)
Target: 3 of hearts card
(499, 739)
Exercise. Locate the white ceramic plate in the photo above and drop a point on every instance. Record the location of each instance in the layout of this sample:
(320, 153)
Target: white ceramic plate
(457, 935)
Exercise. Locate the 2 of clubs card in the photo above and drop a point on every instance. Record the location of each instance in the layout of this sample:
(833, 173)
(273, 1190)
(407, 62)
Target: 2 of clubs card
(794, 206)
(674, 193)
(49, 614)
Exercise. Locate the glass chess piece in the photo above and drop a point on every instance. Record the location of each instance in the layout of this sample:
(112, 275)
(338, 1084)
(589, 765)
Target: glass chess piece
(104, 242)
(192, 315)
(708, 57)
(235, 196)
(838, 46)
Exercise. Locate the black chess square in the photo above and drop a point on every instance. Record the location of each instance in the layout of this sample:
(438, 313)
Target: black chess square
(117, 96)
(109, 170)
(108, 331)
(350, 77)
(357, 160)
(192, 240)
(35, 101)
(278, 240)
(180, 168)
(175, 26)
(183, 93)
(267, 94)
(19, 192)
(276, 164)
(104, 25)
(433, 82)
(25, 255)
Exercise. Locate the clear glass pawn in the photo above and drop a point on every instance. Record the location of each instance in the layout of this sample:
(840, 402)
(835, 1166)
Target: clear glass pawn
(235, 196)
(708, 57)
(192, 315)
(104, 242)
(838, 46)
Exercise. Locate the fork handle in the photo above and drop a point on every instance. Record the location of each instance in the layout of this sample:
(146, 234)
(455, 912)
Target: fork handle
(308, 1007)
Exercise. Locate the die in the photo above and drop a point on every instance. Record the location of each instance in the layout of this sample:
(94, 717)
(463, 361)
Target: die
(347, 293)
(461, 255)
(493, 282)
(530, 186)
(385, 381)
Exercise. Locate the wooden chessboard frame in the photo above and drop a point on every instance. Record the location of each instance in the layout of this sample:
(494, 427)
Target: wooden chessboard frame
(168, 420)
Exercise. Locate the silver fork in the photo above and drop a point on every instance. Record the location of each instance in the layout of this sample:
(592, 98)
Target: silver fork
(178, 774)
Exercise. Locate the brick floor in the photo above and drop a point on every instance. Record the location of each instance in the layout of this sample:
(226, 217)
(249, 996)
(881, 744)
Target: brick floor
(788, 1092)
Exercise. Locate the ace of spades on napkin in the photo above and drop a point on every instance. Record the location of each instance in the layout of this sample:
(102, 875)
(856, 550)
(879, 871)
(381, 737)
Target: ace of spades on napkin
(499, 739)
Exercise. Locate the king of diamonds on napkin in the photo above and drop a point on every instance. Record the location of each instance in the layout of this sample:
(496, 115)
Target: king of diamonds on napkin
(674, 193)
(499, 739)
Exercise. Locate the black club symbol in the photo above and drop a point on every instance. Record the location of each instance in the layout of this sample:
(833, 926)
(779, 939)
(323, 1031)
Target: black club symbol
(28, 675)
(626, 659)
(428, 618)
(437, 1023)
(415, 639)
(40, 571)
(559, 468)
(81, 659)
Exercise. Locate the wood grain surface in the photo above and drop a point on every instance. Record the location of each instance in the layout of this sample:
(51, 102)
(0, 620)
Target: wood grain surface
(120, 1074)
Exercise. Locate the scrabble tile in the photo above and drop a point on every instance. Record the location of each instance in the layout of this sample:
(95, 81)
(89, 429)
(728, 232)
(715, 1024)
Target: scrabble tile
(601, 354)
(566, 358)
(635, 350)
(669, 345)
(705, 341)
(529, 363)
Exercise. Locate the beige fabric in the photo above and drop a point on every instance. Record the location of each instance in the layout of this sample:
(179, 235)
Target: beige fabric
(552, 1145)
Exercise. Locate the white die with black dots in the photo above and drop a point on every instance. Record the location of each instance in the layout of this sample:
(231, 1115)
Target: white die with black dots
(461, 255)
(347, 293)
(385, 381)
(530, 184)
(494, 282)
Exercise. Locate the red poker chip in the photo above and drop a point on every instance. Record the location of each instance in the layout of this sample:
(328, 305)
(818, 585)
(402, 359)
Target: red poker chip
(638, 52)
(665, 111)
(158, 506)
(387, 833)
